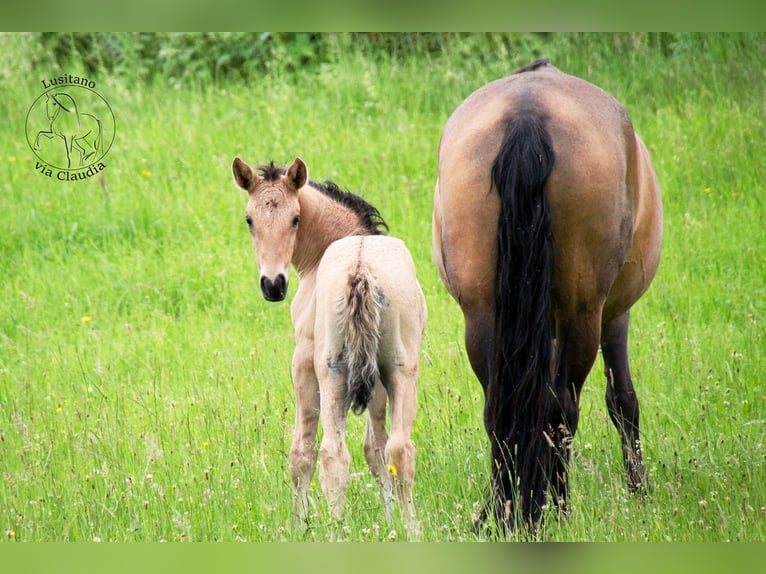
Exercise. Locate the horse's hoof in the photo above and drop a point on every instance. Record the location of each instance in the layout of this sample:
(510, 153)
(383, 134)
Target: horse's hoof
(638, 489)
(488, 523)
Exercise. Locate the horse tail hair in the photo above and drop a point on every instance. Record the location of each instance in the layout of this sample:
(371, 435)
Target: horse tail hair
(520, 402)
(360, 321)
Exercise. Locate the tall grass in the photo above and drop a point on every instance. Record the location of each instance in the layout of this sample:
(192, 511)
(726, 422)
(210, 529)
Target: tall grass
(144, 383)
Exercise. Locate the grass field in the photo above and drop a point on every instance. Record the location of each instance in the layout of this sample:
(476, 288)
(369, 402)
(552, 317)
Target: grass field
(145, 392)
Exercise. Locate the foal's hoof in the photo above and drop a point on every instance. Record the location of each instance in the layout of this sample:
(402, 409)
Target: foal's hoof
(414, 531)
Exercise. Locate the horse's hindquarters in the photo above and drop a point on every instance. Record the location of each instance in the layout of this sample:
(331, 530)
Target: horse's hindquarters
(641, 262)
(546, 219)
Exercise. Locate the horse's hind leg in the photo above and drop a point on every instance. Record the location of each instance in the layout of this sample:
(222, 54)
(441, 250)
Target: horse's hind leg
(621, 397)
(479, 321)
(375, 439)
(576, 347)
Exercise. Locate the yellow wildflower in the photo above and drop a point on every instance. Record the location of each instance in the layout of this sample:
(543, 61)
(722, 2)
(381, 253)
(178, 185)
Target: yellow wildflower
(392, 470)
(146, 172)
(86, 319)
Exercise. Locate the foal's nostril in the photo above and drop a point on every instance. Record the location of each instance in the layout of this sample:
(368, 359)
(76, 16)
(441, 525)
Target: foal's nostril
(274, 290)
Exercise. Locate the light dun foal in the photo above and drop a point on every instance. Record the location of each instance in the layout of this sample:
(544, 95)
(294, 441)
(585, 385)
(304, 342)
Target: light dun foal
(358, 315)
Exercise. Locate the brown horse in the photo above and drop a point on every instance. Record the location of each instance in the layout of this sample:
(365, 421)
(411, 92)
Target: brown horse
(547, 227)
(358, 315)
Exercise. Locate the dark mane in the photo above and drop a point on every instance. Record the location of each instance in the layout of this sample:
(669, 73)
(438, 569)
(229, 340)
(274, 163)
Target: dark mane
(271, 172)
(368, 214)
(536, 65)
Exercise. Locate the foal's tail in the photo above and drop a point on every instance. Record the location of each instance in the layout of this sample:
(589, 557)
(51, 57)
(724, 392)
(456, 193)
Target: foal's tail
(519, 398)
(361, 327)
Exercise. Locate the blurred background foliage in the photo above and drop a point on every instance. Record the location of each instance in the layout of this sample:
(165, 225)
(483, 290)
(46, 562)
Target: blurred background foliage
(149, 56)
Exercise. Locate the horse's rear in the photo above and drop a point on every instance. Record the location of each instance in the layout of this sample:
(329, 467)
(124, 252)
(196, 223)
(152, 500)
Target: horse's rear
(370, 317)
(547, 229)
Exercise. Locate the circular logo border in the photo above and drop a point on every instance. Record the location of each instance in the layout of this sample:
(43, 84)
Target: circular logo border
(62, 87)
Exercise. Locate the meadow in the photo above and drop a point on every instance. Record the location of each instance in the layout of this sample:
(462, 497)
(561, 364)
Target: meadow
(145, 392)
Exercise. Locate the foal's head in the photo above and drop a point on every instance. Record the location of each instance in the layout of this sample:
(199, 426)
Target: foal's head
(273, 215)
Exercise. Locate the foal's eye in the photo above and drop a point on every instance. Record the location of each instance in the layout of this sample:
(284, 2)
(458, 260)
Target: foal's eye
(249, 220)
(296, 221)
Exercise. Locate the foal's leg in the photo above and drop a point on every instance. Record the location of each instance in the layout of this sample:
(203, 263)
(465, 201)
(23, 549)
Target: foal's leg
(400, 452)
(621, 397)
(334, 458)
(303, 452)
(375, 438)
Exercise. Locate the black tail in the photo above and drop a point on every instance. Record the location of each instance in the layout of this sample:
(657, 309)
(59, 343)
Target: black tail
(519, 398)
(361, 327)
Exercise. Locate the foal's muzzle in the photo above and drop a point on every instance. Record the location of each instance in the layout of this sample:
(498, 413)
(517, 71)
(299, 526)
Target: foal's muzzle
(274, 290)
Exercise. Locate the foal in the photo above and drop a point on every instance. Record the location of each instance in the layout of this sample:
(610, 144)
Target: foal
(358, 315)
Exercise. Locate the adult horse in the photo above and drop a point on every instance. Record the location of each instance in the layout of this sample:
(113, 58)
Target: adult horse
(78, 130)
(358, 315)
(547, 226)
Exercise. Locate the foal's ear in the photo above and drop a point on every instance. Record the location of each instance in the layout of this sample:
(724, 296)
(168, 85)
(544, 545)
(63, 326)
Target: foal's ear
(297, 174)
(243, 174)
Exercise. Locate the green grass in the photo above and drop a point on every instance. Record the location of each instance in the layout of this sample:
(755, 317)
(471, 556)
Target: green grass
(144, 383)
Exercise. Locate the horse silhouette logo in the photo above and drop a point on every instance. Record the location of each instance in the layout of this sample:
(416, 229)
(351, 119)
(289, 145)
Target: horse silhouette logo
(70, 127)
